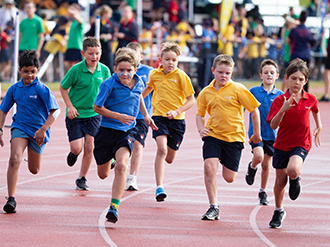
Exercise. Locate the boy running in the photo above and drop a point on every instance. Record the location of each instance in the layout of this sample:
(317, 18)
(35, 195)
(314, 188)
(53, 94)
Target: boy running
(224, 133)
(37, 110)
(264, 150)
(79, 89)
(290, 113)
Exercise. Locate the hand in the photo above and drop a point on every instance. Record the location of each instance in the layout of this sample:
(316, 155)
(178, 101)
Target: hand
(288, 103)
(39, 136)
(172, 114)
(150, 122)
(204, 132)
(72, 112)
(126, 119)
(255, 138)
(317, 133)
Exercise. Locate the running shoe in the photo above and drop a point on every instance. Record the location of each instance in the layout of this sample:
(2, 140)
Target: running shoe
(263, 198)
(81, 184)
(131, 183)
(294, 188)
(211, 214)
(277, 219)
(160, 195)
(71, 159)
(112, 215)
(249, 177)
(10, 206)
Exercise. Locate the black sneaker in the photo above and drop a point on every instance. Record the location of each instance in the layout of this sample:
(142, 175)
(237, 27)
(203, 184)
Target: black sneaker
(10, 206)
(324, 99)
(211, 214)
(277, 219)
(81, 184)
(71, 159)
(294, 188)
(263, 198)
(249, 177)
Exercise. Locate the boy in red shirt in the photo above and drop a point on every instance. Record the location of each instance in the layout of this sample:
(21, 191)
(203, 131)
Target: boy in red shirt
(290, 112)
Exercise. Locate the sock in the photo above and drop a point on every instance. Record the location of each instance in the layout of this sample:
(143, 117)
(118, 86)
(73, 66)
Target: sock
(214, 205)
(160, 186)
(115, 203)
(252, 167)
(262, 190)
(131, 176)
(279, 209)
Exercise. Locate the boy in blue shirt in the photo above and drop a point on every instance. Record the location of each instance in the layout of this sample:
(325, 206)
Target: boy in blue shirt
(37, 110)
(141, 126)
(118, 101)
(264, 150)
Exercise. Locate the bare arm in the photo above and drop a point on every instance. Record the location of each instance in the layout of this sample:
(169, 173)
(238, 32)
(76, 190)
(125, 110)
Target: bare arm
(255, 116)
(40, 43)
(287, 104)
(145, 114)
(125, 119)
(146, 91)
(2, 122)
(72, 111)
(200, 123)
(40, 133)
(317, 131)
(189, 103)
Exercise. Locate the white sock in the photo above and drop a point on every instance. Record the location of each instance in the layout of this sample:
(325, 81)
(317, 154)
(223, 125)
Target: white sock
(279, 209)
(160, 186)
(262, 190)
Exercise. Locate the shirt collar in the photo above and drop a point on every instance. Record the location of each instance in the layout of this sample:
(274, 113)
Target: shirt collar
(226, 85)
(160, 69)
(261, 89)
(86, 70)
(304, 94)
(20, 82)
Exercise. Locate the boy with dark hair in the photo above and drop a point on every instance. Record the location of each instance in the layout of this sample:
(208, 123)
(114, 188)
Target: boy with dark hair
(37, 110)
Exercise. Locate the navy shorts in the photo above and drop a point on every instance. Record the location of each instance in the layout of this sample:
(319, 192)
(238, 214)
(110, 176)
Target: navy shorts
(141, 131)
(73, 55)
(32, 143)
(281, 158)
(267, 146)
(173, 128)
(5, 55)
(78, 127)
(107, 141)
(229, 153)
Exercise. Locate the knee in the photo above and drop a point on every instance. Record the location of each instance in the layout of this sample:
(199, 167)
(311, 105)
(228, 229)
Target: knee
(88, 148)
(14, 161)
(102, 175)
(258, 159)
(229, 179)
(120, 168)
(34, 170)
(76, 150)
(293, 173)
(169, 160)
(162, 152)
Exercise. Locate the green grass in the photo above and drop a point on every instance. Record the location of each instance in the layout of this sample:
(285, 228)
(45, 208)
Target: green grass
(54, 86)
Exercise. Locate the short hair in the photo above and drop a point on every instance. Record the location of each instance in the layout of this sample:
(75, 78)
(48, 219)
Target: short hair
(135, 46)
(303, 16)
(28, 2)
(105, 9)
(167, 46)
(297, 65)
(29, 58)
(76, 6)
(223, 59)
(126, 55)
(90, 42)
(268, 62)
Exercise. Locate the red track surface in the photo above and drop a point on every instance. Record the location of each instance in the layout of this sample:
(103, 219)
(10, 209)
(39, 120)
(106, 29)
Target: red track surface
(50, 212)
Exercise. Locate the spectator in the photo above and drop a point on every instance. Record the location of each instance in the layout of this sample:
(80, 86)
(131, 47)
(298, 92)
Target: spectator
(239, 50)
(63, 8)
(252, 55)
(325, 96)
(7, 13)
(228, 38)
(173, 11)
(5, 57)
(157, 10)
(312, 8)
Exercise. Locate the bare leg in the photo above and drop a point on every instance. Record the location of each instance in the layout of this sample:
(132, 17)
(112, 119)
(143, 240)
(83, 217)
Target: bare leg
(88, 155)
(210, 179)
(160, 159)
(265, 165)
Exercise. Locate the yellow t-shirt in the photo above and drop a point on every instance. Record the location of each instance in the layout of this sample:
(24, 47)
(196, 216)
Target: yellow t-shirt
(253, 48)
(225, 108)
(144, 39)
(170, 91)
(228, 48)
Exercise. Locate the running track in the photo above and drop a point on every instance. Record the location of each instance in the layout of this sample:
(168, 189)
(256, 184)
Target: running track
(50, 212)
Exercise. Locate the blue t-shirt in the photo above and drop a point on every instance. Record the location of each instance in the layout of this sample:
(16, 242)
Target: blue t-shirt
(117, 97)
(301, 42)
(266, 99)
(143, 72)
(208, 33)
(237, 47)
(34, 102)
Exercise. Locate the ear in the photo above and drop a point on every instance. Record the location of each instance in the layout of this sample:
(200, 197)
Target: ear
(277, 75)
(260, 76)
(115, 69)
(82, 53)
(212, 70)
(306, 81)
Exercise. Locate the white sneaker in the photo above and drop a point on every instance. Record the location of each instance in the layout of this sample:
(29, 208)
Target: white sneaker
(131, 183)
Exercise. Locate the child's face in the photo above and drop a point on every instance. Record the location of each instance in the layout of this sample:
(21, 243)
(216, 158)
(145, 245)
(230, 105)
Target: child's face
(296, 82)
(92, 56)
(222, 74)
(125, 72)
(268, 74)
(29, 74)
(170, 61)
(30, 9)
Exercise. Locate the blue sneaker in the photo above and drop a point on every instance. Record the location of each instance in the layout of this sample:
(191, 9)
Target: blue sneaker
(160, 195)
(112, 215)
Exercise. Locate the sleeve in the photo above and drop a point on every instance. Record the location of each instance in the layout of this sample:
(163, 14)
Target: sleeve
(69, 79)
(150, 82)
(48, 98)
(247, 99)
(201, 104)
(104, 94)
(315, 107)
(274, 108)
(186, 85)
(8, 101)
(41, 27)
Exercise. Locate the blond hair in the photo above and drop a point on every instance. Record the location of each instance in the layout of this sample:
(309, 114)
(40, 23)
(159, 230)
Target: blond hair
(126, 55)
(167, 46)
(135, 46)
(223, 59)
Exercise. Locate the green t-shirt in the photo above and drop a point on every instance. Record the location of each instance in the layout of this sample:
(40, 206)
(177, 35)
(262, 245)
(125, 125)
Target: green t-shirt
(286, 47)
(84, 86)
(76, 35)
(30, 30)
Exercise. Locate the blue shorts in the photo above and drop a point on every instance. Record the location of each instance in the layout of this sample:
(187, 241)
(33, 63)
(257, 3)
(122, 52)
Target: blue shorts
(267, 146)
(78, 127)
(73, 55)
(32, 144)
(229, 153)
(141, 131)
(173, 128)
(281, 158)
(107, 141)
(5, 55)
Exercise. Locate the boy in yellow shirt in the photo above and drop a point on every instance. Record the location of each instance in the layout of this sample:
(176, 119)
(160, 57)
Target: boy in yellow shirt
(224, 133)
(173, 95)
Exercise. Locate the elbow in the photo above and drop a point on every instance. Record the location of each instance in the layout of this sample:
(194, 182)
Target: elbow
(96, 109)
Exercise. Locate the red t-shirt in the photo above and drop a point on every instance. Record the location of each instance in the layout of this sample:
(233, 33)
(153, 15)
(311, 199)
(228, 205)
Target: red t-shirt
(294, 129)
(173, 6)
(3, 42)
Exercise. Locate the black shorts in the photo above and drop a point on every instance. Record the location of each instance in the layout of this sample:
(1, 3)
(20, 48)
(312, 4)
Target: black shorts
(281, 158)
(5, 55)
(73, 55)
(78, 127)
(141, 131)
(267, 146)
(229, 153)
(107, 141)
(173, 128)
(327, 62)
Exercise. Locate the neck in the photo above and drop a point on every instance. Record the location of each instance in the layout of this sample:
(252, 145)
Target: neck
(268, 88)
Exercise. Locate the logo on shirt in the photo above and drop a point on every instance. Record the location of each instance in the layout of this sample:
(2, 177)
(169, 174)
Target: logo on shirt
(307, 107)
(143, 76)
(100, 78)
(173, 80)
(33, 96)
(227, 97)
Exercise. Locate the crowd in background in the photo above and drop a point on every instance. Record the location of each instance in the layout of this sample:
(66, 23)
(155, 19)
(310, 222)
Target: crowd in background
(246, 38)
